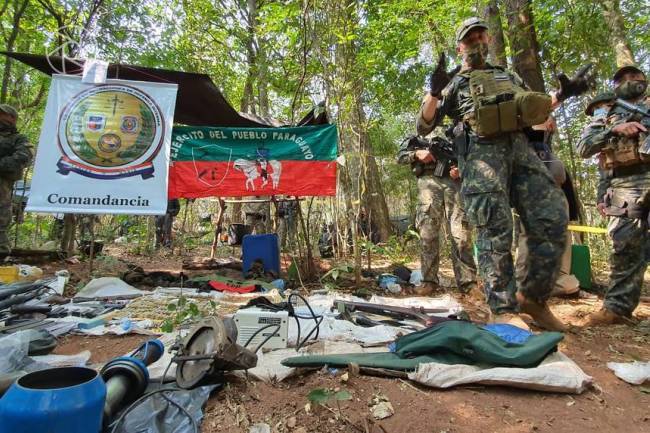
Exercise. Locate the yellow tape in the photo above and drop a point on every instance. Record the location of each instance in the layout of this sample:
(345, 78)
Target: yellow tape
(587, 229)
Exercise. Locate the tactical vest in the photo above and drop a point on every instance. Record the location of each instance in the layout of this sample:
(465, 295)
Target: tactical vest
(500, 106)
(7, 148)
(622, 151)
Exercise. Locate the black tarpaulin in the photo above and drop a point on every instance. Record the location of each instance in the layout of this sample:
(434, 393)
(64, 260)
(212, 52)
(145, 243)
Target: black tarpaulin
(198, 102)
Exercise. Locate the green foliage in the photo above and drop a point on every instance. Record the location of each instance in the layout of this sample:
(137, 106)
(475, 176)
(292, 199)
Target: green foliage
(183, 311)
(396, 249)
(369, 60)
(330, 278)
(336, 271)
(34, 230)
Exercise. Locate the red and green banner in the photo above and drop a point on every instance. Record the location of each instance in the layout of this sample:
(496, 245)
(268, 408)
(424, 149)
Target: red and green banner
(232, 162)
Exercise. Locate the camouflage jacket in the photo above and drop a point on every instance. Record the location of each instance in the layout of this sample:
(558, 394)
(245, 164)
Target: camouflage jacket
(407, 156)
(15, 155)
(404, 154)
(593, 133)
(598, 133)
(604, 179)
(287, 209)
(456, 101)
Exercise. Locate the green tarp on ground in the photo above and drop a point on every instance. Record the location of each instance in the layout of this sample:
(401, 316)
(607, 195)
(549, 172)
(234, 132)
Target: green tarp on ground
(452, 342)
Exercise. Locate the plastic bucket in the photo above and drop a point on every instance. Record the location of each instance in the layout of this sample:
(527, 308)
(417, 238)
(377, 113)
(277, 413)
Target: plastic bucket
(56, 400)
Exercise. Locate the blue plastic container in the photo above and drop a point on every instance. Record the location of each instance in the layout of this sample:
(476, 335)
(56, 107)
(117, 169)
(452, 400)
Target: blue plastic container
(56, 400)
(261, 247)
(385, 279)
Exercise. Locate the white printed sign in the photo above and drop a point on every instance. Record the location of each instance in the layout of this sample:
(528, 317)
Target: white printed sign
(104, 148)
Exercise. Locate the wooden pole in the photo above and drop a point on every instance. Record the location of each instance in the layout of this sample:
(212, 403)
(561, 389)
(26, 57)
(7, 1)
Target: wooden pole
(217, 228)
(91, 227)
(310, 264)
(67, 239)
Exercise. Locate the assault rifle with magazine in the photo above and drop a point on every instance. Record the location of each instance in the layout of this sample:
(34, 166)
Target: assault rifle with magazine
(444, 157)
(635, 113)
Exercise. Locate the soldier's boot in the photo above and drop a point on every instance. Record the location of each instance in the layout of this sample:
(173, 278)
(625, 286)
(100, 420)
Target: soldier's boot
(510, 319)
(604, 317)
(541, 314)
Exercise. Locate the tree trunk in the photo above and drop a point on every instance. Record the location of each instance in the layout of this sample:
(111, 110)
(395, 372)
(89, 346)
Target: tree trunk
(617, 34)
(248, 98)
(247, 104)
(69, 228)
(523, 43)
(373, 196)
(375, 200)
(262, 79)
(497, 42)
(371, 190)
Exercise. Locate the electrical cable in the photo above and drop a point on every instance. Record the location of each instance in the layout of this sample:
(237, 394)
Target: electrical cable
(162, 379)
(318, 319)
(259, 346)
(289, 307)
(277, 328)
(136, 403)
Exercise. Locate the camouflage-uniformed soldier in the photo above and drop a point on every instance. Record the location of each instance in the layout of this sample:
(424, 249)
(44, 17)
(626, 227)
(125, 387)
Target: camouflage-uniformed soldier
(287, 213)
(597, 109)
(15, 155)
(257, 215)
(490, 106)
(541, 137)
(438, 201)
(627, 200)
(165, 223)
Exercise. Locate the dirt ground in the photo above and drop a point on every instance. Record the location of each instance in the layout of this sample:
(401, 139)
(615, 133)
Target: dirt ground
(611, 406)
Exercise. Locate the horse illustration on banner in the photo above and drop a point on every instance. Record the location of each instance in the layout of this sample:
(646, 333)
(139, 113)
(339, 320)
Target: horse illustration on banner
(259, 169)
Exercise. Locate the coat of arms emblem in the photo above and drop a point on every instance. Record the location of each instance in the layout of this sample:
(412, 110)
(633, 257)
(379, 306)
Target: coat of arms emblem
(110, 131)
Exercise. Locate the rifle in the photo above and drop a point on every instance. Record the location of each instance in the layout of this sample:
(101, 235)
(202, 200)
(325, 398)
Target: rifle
(413, 313)
(442, 150)
(635, 113)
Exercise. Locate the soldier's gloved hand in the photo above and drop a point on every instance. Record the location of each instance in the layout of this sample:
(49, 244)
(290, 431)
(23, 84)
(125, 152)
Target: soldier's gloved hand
(576, 86)
(629, 129)
(424, 155)
(454, 173)
(440, 77)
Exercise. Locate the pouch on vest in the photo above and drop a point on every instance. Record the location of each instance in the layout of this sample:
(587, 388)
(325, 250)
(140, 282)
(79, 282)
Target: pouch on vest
(621, 205)
(501, 106)
(624, 151)
(533, 108)
(491, 88)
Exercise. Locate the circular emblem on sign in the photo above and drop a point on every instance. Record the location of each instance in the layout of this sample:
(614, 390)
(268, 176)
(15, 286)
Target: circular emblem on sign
(111, 129)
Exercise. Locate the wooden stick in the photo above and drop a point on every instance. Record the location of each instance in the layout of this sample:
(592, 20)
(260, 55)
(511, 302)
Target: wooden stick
(217, 228)
(92, 244)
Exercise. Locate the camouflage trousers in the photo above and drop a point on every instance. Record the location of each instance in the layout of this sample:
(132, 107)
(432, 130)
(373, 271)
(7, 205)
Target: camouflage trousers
(498, 175)
(562, 283)
(438, 202)
(630, 249)
(164, 225)
(287, 231)
(6, 189)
